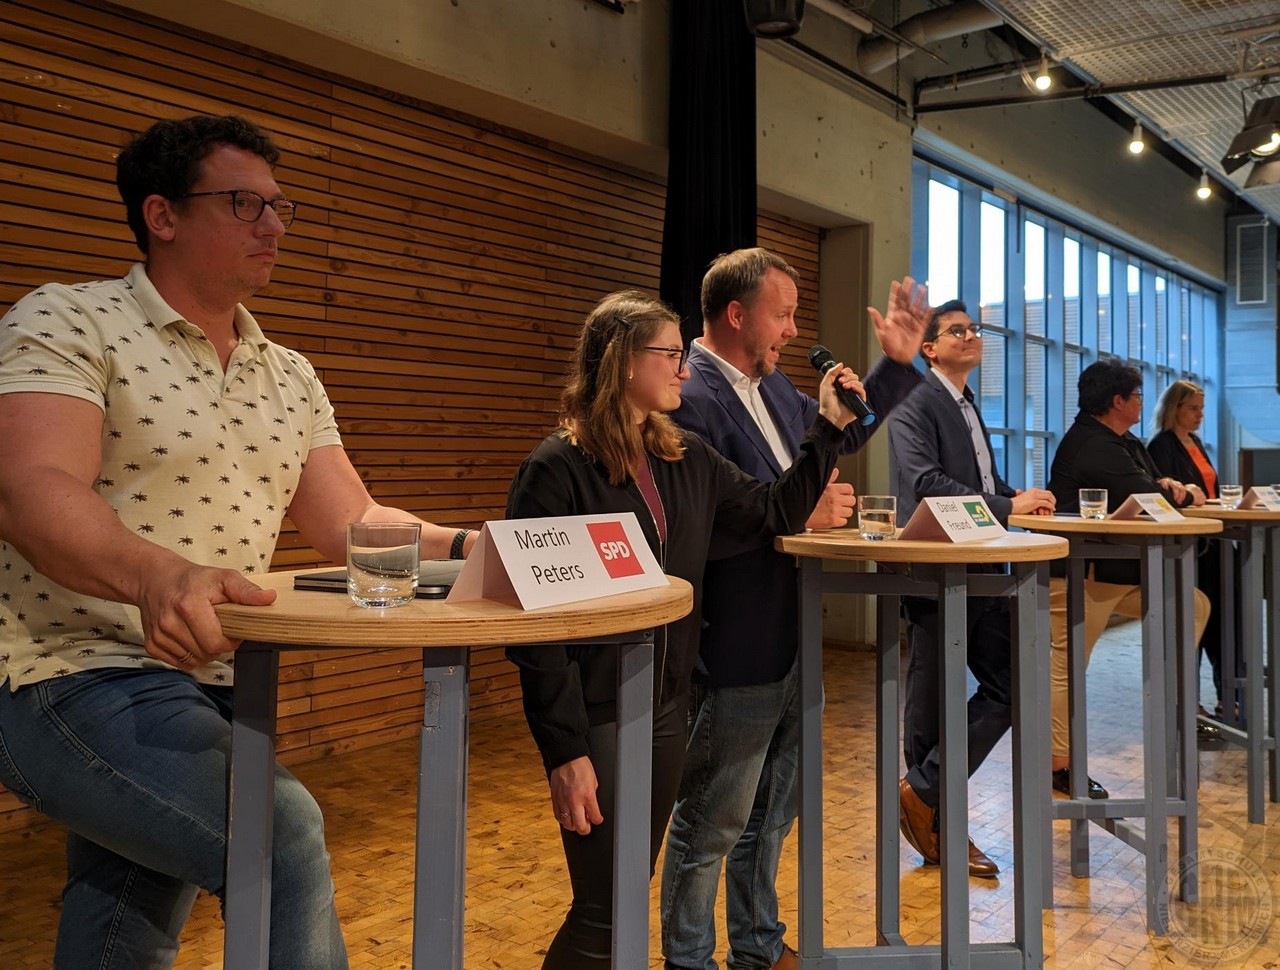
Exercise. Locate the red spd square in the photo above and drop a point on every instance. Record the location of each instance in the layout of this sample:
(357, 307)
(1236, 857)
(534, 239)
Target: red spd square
(614, 549)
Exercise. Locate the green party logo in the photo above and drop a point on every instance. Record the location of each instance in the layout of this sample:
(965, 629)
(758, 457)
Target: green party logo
(979, 514)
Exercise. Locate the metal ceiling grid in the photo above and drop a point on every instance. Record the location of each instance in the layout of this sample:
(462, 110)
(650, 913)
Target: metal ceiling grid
(1120, 41)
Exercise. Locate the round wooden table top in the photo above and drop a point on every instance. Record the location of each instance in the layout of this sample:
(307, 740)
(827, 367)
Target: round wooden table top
(333, 620)
(1063, 524)
(1227, 516)
(848, 545)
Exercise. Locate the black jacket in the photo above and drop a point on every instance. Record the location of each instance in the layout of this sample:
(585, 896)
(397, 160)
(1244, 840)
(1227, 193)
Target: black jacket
(1093, 456)
(568, 688)
(1173, 460)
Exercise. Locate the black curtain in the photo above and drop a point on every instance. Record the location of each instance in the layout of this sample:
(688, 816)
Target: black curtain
(711, 173)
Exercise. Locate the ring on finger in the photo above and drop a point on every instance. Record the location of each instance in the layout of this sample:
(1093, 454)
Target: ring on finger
(186, 658)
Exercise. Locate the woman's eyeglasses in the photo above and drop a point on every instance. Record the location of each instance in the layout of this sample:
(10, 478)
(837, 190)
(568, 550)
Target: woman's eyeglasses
(679, 354)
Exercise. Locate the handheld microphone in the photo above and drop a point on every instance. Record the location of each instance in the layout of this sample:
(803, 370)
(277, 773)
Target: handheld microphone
(822, 362)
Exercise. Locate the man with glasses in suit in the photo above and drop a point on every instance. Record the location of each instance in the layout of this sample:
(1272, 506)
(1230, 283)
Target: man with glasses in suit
(939, 445)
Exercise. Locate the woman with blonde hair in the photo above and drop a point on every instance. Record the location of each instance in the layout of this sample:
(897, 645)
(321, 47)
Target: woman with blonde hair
(1180, 454)
(616, 450)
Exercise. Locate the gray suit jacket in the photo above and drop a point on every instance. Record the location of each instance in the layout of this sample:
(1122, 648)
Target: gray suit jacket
(931, 452)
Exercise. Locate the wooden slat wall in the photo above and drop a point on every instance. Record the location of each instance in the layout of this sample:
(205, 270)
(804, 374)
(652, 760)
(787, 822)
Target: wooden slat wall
(436, 276)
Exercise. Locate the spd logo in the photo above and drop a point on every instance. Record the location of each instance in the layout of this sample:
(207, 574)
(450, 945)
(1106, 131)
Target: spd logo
(614, 549)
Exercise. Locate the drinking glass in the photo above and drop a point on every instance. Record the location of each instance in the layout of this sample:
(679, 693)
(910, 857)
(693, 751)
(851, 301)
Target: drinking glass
(1093, 503)
(876, 515)
(1231, 495)
(382, 562)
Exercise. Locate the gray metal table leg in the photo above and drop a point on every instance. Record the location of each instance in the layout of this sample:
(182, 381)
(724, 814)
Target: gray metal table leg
(1078, 707)
(1045, 745)
(1232, 706)
(809, 841)
(1174, 630)
(440, 857)
(633, 784)
(888, 677)
(1272, 726)
(1156, 832)
(251, 794)
(1251, 553)
(1028, 774)
(1183, 731)
(953, 748)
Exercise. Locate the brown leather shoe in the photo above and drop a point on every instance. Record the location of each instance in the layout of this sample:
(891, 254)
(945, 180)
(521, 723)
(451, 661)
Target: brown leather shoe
(790, 960)
(979, 865)
(916, 821)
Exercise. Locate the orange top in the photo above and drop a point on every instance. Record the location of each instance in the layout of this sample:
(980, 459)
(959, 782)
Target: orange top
(1206, 471)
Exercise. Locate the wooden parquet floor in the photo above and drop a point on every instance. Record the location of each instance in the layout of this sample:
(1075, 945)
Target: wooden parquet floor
(517, 889)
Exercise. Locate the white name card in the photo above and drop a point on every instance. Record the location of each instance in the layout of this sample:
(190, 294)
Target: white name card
(545, 562)
(1261, 497)
(1153, 503)
(961, 518)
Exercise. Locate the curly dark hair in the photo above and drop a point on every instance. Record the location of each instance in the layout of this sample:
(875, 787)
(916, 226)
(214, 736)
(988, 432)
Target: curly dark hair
(165, 159)
(1101, 382)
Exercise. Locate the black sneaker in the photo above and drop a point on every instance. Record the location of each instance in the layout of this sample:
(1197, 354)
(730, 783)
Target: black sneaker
(1062, 784)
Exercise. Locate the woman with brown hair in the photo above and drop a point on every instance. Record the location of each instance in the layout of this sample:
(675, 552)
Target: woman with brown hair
(617, 451)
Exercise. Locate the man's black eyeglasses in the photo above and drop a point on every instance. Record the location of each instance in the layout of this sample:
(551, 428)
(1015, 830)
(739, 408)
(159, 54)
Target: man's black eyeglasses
(672, 353)
(248, 206)
(958, 331)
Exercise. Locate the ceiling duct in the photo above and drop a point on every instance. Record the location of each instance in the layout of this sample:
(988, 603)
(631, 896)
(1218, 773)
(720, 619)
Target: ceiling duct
(962, 17)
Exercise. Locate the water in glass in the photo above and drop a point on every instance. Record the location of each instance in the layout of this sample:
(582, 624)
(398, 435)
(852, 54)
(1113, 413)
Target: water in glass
(876, 524)
(382, 576)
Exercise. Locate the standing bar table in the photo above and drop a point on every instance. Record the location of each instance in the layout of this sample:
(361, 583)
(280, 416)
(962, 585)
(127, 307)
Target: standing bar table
(933, 569)
(1166, 552)
(301, 620)
(1258, 532)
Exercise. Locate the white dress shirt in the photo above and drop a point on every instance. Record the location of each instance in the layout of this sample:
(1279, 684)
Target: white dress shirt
(970, 412)
(748, 391)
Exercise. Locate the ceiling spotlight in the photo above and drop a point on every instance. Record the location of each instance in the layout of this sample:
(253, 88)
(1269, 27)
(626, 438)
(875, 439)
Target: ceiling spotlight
(1136, 143)
(1203, 190)
(1043, 80)
(1260, 137)
(1264, 173)
(772, 19)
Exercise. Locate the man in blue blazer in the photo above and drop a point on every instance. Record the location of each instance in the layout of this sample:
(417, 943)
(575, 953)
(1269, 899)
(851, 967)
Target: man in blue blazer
(939, 445)
(738, 793)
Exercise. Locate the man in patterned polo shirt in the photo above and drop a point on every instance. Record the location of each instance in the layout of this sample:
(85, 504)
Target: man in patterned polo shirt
(153, 440)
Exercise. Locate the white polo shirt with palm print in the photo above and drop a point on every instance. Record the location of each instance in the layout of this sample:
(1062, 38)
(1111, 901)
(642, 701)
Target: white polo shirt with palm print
(193, 459)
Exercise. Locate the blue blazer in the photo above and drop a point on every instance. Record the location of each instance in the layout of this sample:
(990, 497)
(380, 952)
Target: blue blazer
(749, 600)
(931, 452)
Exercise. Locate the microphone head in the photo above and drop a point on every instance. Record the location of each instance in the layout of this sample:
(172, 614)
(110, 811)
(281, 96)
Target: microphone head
(821, 358)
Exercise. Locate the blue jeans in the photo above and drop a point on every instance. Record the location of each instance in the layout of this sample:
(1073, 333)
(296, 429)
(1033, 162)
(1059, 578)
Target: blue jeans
(737, 800)
(134, 763)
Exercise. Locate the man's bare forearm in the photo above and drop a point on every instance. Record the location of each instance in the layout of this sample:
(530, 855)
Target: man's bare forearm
(69, 534)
